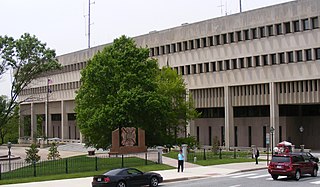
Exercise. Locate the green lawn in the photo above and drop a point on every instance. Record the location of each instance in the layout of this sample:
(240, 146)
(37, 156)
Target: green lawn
(210, 158)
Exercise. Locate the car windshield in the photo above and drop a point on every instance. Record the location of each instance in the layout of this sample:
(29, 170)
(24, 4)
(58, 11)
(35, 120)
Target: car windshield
(280, 159)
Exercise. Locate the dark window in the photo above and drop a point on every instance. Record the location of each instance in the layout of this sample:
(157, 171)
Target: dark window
(262, 32)
(179, 47)
(204, 42)
(56, 117)
(264, 135)
(152, 52)
(227, 62)
(173, 48)
(280, 133)
(273, 59)
(185, 45)
(257, 60)
(246, 34)
(234, 63)
(206, 67)
(290, 56)
(280, 159)
(224, 38)
(317, 52)
(281, 58)
(157, 51)
(198, 133)
(222, 135)
(217, 39)
(220, 65)
(231, 37)
(265, 60)
(239, 38)
(241, 60)
(197, 43)
(191, 44)
(308, 54)
(213, 66)
(299, 56)
(182, 70)
(305, 24)
(200, 68)
(188, 70)
(249, 61)
(296, 26)
(270, 30)
(278, 29)
(315, 22)
(194, 68)
(287, 27)
(210, 40)
(71, 117)
(168, 49)
(254, 33)
(162, 51)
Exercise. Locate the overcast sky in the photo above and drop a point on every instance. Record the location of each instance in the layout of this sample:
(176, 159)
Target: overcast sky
(62, 24)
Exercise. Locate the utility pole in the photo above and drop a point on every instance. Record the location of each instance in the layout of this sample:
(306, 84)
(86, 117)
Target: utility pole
(240, 6)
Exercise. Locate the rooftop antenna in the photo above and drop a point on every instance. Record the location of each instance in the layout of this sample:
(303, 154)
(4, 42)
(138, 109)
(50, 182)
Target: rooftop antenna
(240, 6)
(89, 23)
(221, 5)
(226, 7)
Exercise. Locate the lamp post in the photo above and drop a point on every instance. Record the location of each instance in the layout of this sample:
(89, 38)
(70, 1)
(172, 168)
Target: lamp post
(301, 129)
(271, 132)
(9, 154)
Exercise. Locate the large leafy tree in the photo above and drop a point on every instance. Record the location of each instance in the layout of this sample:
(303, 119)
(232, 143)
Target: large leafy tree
(29, 59)
(9, 132)
(123, 87)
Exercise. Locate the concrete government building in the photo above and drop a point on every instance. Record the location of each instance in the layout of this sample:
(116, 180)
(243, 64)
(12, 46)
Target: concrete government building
(249, 73)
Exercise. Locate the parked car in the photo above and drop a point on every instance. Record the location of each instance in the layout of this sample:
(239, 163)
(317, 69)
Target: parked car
(125, 177)
(292, 165)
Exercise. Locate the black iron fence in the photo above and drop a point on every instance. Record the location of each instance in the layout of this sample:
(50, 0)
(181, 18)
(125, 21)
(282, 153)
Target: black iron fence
(21, 169)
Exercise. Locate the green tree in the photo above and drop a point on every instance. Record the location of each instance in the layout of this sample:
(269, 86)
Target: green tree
(122, 86)
(29, 59)
(32, 154)
(9, 132)
(53, 152)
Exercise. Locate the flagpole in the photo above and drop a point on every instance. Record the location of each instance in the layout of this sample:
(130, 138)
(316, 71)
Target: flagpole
(47, 110)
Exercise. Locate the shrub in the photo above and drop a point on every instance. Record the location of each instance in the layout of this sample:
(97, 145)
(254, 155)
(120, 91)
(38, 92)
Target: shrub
(32, 154)
(53, 152)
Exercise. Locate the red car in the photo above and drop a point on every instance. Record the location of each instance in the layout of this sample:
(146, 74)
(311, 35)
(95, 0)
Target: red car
(292, 165)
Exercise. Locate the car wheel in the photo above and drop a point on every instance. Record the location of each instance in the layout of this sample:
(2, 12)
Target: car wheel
(121, 184)
(315, 172)
(275, 177)
(297, 175)
(154, 182)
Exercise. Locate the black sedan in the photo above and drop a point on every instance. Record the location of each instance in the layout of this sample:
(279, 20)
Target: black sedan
(126, 177)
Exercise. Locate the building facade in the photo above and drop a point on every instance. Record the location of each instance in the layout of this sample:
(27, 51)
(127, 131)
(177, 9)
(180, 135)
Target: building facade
(254, 76)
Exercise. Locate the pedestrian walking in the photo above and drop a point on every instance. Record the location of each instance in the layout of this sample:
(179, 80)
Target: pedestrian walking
(256, 154)
(180, 161)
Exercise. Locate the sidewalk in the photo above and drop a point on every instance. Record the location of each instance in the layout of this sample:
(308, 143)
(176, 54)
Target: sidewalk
(193, 171)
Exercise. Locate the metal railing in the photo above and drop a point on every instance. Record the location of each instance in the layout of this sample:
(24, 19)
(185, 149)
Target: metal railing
(22, 169)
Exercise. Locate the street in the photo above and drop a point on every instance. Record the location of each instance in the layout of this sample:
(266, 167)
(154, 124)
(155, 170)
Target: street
(244, 179)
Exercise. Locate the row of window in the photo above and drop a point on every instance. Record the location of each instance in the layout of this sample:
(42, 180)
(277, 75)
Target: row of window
(261, 111)
(299, 86)
(52, 88)
(251, 61)
(237, 36)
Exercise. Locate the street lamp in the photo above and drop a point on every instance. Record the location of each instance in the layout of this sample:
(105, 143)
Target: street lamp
(271, 132)
(301, 129)
(9, 154)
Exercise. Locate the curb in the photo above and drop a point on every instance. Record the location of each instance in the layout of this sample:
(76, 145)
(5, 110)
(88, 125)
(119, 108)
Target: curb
(183, 178)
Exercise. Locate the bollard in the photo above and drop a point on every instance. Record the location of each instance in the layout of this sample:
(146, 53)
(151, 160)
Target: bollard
(220, 156)
(194, 159)
(234, 153)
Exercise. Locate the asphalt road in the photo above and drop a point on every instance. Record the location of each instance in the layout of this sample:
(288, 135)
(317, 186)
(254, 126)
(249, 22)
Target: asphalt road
(247, 179)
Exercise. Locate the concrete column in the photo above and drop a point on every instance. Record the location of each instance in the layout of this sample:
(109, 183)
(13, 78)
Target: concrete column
(229, 120)
(47, 118)
(274, 112)
(64, 121)
(33, 123)
(21, 124)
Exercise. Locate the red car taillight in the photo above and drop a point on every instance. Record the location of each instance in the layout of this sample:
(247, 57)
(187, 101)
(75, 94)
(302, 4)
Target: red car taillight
(106, 179)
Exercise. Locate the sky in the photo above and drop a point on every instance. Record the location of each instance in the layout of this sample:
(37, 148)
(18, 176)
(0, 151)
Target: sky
(63, 24)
